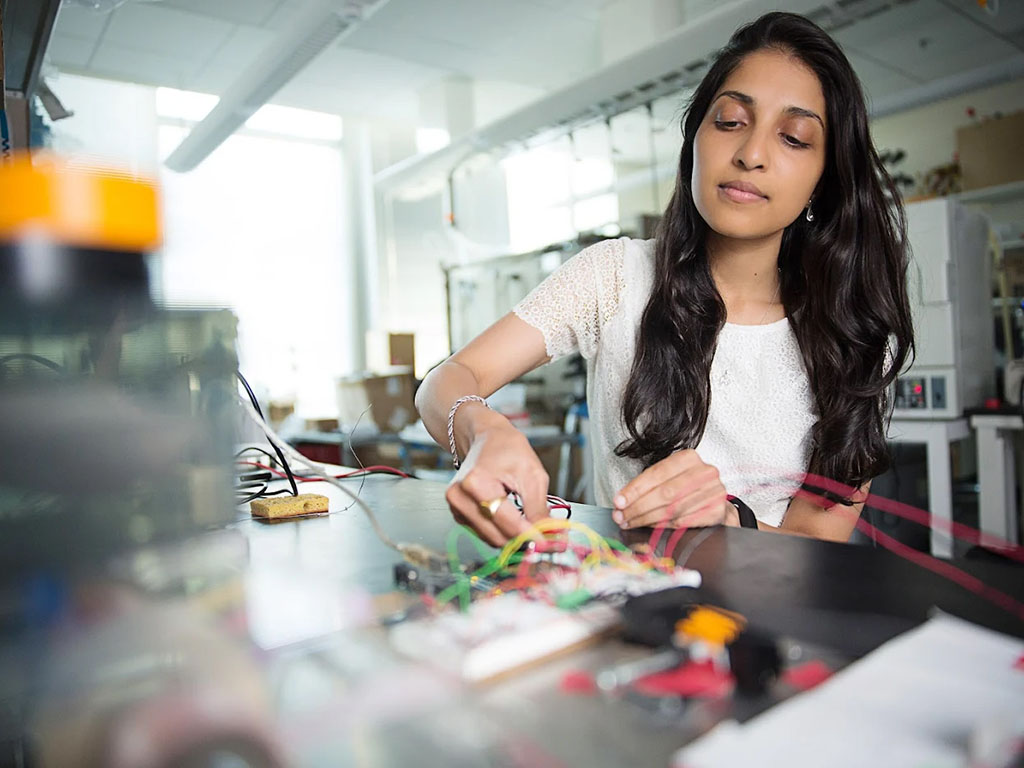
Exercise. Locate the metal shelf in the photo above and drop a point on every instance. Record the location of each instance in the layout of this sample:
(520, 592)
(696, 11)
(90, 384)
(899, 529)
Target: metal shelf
(997, 194)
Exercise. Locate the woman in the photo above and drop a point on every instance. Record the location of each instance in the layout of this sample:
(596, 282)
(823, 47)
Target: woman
(749, 345)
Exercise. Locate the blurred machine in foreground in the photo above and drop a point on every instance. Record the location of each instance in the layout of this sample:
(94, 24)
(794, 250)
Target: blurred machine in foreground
(117, 415)
(118, 421)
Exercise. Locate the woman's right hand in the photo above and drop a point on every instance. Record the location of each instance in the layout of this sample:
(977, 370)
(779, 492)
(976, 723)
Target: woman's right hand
(500, 460)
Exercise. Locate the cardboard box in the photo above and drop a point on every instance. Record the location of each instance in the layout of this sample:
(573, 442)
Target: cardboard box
(389, 396)
(990, 152)
(402, 349)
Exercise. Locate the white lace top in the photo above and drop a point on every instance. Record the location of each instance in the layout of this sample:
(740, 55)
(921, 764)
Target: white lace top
(762, 410)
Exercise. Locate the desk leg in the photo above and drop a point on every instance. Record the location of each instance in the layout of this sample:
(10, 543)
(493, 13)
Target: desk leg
(940, 496)
(996, 507)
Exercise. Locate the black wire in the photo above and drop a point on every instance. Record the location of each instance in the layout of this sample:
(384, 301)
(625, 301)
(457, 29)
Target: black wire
(245, 499)
(280, 456)
(262, 494)
(257, 449)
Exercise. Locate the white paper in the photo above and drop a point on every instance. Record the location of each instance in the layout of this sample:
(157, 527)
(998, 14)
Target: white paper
(914, 702)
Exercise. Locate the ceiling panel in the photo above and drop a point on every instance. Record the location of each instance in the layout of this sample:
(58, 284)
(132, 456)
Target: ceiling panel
(429, 52)
(342, 66)
(878, 80)
(464, 22)
(249, 12)
(494, 43)
(899, 22)
(71, 53)
(136, 66)
(952, 62)
(554, 56)
(285, 12)
(241, 48)
(166, 31)
(76, 21)
(585, 9)
(929, 40)
(1008, 21)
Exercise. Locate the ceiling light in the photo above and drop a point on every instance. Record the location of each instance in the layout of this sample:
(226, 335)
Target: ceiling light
(321, 23)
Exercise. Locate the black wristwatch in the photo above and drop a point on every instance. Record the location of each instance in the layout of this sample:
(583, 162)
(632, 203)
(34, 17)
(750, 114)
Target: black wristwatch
(747, 519)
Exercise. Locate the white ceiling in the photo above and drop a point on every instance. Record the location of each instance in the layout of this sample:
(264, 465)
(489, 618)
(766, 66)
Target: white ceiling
(379, 69)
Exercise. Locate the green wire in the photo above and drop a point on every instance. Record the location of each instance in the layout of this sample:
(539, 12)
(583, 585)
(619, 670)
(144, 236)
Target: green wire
(454, 562)
(616, 544)
(464, 584)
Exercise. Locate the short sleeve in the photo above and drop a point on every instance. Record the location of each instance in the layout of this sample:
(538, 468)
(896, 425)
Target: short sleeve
(575, 302)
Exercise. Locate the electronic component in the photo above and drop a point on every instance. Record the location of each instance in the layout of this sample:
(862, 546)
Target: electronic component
(754, 661)
(431, 581)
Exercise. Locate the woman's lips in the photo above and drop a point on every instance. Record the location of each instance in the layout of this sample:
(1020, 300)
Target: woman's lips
(739, 195)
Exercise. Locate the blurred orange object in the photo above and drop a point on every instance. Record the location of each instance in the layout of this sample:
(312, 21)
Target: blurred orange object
(77, 205)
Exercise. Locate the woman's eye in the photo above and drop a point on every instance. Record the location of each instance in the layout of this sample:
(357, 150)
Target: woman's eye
(726, 124)
(793, 141)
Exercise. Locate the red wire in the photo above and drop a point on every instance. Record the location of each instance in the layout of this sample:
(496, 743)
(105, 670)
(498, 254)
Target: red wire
(656, 534)
(374, 468)
(670, 546)
(944, 569)
(920, 516)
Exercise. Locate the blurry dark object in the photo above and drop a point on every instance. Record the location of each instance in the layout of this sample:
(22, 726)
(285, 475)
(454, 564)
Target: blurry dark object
(649, 225)
(904, 481)
(27, 25)
(754, 661)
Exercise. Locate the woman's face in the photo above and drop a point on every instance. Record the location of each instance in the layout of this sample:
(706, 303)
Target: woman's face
(760, 150)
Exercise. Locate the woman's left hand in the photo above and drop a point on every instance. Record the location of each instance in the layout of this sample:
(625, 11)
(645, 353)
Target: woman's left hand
(679, 491)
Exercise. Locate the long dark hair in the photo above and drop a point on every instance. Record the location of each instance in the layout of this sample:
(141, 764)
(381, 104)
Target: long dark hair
(842, 277)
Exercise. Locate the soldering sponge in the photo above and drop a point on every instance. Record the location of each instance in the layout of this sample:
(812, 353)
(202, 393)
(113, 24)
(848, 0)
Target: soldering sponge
(289, 506)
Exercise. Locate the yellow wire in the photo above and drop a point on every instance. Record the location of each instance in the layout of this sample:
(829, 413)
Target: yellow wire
(601, 552)
(553, 526)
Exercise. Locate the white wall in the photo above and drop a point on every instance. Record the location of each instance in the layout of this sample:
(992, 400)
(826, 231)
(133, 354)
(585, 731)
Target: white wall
(414, 248)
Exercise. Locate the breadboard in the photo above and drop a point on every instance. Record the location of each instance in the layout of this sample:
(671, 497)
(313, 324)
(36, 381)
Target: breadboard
(500, 634)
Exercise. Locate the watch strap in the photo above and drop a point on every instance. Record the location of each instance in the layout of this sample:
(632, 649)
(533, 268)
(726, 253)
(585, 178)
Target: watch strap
(747, 518)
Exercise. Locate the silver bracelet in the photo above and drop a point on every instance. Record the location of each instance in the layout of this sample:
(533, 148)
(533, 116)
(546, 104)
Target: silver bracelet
(451, 423)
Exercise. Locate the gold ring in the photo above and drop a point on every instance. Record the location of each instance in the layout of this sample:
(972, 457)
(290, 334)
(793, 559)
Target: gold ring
(490, 508)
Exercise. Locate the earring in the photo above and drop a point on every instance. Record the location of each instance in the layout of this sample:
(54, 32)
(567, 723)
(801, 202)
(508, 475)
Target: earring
(810, 214)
